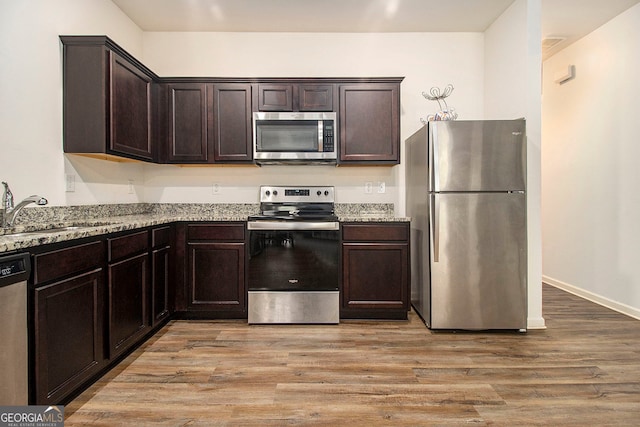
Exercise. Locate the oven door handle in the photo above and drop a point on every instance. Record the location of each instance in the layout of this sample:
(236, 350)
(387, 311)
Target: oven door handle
(292, 225)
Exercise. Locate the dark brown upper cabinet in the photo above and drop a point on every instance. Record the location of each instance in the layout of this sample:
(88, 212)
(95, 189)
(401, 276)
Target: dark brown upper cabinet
(315, 97)
(206, 123)
(294, 97)
(275, 97)
(230, 125)
(369, 121)
(108, 100)
(187, 122)
(115, 106)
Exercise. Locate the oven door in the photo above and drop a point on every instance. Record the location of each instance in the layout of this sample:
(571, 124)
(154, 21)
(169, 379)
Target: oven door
(293, 272)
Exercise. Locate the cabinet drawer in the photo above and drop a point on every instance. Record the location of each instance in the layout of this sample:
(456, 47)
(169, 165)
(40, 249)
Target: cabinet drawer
(127, 245)
(64, 262)
(215, 232)
(382, 232)
(161, 236)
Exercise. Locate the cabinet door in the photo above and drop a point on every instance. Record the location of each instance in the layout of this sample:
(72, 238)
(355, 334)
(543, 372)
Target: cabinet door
(128, 318)
(68, 335)
(160, 308)
(312, 97)
(216, 276)
(370, 123)
(375, 275)
(275, 97)
(230, 126)
(187, 123)
(131, 111)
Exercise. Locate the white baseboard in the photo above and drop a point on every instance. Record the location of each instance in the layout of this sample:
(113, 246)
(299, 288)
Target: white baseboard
(536, 323)
(590, 296)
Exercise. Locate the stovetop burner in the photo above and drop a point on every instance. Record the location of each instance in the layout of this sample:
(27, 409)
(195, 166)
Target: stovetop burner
(312, 203)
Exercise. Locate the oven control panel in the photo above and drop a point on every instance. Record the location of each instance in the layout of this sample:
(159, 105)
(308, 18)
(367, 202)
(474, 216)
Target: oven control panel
(310, 194)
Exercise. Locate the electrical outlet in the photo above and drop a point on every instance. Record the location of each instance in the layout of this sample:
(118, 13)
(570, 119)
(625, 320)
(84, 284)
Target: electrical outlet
(382, 187)
(70, 183)
(131, 189)
(368, 187)
(215, 189)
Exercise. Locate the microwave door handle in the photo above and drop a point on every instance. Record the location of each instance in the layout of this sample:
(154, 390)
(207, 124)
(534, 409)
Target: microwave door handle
(320, 136)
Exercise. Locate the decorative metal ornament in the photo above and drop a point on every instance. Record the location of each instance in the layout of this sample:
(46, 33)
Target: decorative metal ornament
(446, 113)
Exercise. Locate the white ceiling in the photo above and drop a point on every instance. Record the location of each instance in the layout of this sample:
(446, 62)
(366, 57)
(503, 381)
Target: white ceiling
(566, 19)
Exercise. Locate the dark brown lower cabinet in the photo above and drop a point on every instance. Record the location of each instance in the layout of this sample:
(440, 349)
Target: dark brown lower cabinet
(128, 319)
(160, 280)
(216, 270)
(161, 274)
(128, 288)
(68, 335)
(91, 303)
(375, 270)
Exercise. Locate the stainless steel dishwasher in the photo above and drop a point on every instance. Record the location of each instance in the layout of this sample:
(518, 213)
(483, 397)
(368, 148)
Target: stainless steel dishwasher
(14, 272)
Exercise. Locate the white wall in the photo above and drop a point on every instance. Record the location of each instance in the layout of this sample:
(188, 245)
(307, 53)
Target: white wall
(590, 173)
(31, 119)
(512, 90)
(424, 59)
(31, 101)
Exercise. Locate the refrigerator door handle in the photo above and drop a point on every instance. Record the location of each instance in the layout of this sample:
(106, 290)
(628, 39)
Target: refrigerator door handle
(434, 213)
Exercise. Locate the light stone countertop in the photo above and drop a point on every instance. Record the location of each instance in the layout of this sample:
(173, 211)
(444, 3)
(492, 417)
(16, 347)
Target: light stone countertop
(95, 220)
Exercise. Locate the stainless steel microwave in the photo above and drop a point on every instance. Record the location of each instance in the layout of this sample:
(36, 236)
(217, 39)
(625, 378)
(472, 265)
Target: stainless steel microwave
(303, 137)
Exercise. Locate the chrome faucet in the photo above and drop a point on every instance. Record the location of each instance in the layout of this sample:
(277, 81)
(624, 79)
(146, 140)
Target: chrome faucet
(9, 212)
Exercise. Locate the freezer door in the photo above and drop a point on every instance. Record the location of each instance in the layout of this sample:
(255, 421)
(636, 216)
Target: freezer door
(478, 261)
(486, 155)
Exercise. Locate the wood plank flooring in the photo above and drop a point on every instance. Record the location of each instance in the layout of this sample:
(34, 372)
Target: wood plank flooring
(584, 369)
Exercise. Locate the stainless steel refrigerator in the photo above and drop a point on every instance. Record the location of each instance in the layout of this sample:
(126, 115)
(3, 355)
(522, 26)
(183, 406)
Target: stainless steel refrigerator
(466, 184)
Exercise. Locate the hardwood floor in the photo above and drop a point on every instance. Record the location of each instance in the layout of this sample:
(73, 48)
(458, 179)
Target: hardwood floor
(584, 369)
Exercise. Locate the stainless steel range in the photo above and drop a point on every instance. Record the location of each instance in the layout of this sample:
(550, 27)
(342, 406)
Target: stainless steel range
(293, 266)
